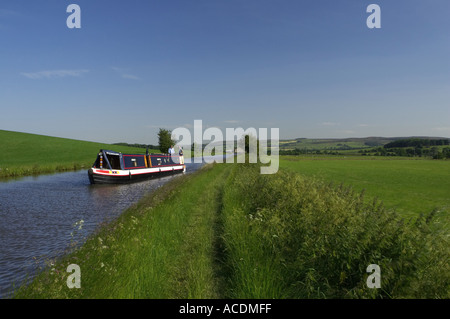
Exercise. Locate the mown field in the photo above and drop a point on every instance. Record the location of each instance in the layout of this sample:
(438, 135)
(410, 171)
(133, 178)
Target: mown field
(410, 186)
(227, 231)
(30, 154)
(322, 144)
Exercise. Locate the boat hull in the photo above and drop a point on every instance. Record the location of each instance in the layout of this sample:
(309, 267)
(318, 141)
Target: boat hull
(104, 176)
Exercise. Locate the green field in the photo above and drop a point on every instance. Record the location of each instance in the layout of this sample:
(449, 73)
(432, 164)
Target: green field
(409, 186)
(227, 231)
(30, 154)
(427, 147)
(333, 144)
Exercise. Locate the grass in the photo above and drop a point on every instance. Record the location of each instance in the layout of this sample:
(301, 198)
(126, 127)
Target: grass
(229, 232)
(321, 144)
(333, 144)
(304, 238)
(410, 186)
(30, 154)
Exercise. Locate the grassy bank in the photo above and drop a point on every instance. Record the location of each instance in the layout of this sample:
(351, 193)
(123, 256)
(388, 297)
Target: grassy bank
(410, 186)
(229, 232)
(24, 154)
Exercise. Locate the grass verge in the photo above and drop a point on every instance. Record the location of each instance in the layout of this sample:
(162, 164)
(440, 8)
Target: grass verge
(410, 186)
(290, 236)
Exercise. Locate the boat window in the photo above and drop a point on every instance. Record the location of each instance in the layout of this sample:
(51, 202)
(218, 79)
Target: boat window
(114, 160)
(134, 161)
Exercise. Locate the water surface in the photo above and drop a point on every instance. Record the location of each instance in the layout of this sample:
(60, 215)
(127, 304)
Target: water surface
(40, 217)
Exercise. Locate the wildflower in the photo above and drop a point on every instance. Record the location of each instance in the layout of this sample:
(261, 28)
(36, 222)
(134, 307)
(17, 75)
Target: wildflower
(79, 224)
(134, 220)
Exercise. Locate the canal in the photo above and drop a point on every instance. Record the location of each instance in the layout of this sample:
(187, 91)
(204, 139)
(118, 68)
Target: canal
(41, 217)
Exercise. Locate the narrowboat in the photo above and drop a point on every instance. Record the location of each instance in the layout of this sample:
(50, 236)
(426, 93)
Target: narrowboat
(114, 167)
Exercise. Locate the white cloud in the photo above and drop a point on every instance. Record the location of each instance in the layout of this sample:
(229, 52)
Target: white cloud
(120, 70)
(232, 121)
(350, 132)
(124, 73)
(154, 126)
(49, 74)
(8, 13)
(130, 77)
(330, 124)
(164, 126)
(442, 129)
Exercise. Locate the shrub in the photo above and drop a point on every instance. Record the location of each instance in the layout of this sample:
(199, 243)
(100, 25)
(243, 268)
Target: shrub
(318, 239)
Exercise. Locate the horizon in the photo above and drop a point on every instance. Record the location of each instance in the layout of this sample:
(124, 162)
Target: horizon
(291, 139)
(311, 69)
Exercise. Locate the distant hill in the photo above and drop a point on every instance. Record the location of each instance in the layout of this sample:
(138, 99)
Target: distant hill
(344, 143)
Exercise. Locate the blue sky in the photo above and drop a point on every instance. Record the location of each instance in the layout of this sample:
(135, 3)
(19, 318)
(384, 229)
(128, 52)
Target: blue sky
(309, 68)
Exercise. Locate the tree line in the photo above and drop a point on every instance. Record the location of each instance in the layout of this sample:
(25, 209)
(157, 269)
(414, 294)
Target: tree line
(433, 152)
(417, 142)
(298, 151)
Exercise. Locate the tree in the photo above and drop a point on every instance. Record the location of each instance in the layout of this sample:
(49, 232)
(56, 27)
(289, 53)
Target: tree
(196, 150)
(251, 147)
(165, 140)
(434, 152)
(250, 139)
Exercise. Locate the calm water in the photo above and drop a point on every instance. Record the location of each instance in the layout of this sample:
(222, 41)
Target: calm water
(38, 217)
